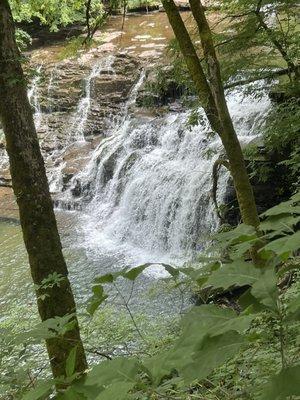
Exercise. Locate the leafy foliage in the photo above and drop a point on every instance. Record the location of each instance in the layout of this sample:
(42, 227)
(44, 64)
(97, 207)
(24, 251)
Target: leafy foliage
(51, 12)
(210, 335)
(257, 32)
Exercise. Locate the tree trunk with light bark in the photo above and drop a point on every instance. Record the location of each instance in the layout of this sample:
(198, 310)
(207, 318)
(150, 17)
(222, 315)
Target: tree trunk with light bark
(212, 99)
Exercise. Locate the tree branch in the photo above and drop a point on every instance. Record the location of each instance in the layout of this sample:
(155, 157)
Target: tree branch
(268, 75)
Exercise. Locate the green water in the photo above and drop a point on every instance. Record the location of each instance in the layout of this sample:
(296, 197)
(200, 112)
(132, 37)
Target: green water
(17, 300)
(15, 285)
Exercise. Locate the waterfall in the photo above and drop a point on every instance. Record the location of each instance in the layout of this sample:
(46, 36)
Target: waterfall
(81, 116)
(51, 87)
(146, 191)
(34, 98)
(148, 184)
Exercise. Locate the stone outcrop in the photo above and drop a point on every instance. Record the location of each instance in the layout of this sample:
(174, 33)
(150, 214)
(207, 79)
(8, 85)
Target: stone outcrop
(161, 88)
(64, 86)
(72, 114)
(268, 192)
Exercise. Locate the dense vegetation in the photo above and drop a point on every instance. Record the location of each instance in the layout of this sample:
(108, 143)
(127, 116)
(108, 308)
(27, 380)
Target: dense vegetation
(241, 340)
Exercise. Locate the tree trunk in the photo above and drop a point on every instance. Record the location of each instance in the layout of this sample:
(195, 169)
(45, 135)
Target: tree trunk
(31, 189)
(87, 20)
(212, 99)
(228, 135)
(193, 63)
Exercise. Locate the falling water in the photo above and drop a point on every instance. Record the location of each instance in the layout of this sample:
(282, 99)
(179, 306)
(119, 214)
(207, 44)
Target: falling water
(146, 190)
(148, 185)
(82, 112)
(34, 97)
(51, 87)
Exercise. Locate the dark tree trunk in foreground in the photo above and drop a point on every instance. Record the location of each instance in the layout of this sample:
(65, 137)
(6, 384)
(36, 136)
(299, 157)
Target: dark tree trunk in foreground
(212, 98)
(31, 189)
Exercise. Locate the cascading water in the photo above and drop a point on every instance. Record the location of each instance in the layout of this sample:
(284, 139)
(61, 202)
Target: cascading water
(146, 190)
(76, 133)
(82, 112)
(148, 184)
(33, 97)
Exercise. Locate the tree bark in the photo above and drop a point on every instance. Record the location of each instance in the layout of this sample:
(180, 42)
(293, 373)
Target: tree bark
(87, 19)
(31, 189)
(212, 99)
(193, 63)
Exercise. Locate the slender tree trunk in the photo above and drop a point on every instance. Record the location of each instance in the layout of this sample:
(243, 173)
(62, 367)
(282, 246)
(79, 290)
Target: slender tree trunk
(31, 189)
(87, 19)
(193, 63)
(212, 99)
(228, 135)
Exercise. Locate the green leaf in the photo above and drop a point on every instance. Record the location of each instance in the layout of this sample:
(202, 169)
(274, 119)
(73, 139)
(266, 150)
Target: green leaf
(107, 278)
(284, 245)
(174, 272)
(133, 273)
(241, 233)
(117, 391)
(200, 275)
(48, 329)
(212, 320)
(282, 208)
(97, 299)
(71, 394)
(284, 385)
(120, 369)
(42, 390)
(210, 354)
(201, 322)
(293, 310)
(280, 223)
(237, 273)
(249, 303)
(70, 362)
(296, 198)
(265, 289)
(108, 380)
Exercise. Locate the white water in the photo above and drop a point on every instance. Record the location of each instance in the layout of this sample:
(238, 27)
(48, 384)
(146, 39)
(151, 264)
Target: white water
(33, 97)
(80, 119)
(149, 184)
(34, 100)
(82, 112)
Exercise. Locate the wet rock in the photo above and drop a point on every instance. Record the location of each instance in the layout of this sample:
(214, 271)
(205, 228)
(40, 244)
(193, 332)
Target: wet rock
(269, 192)
(160, 88)
(62, 87)
(68, 111)
(109, 167)
(75, 158)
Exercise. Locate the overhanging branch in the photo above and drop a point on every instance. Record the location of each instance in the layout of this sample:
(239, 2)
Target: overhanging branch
(269, 75)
